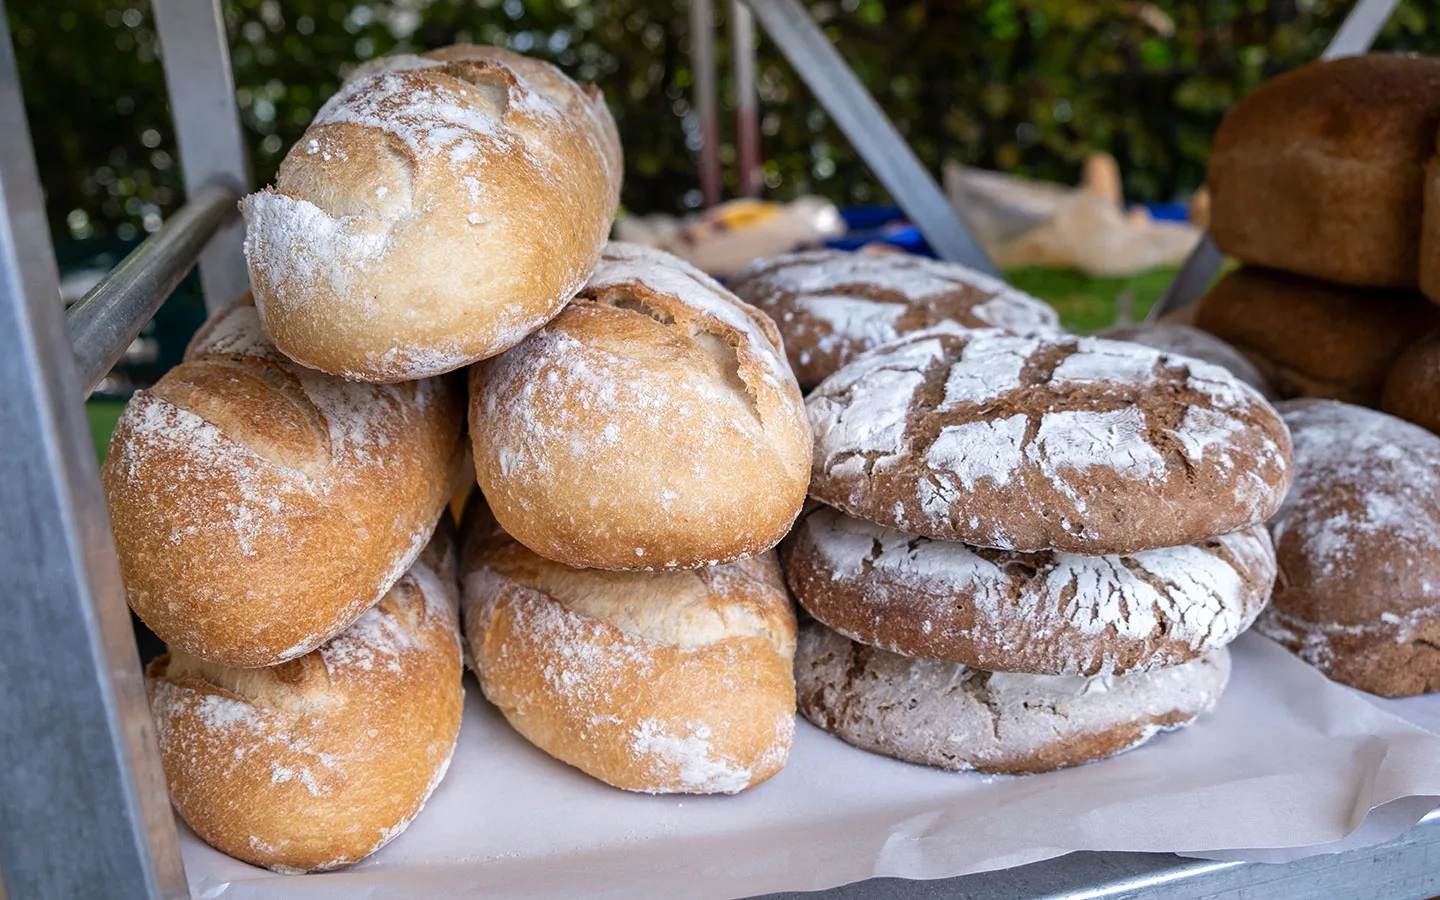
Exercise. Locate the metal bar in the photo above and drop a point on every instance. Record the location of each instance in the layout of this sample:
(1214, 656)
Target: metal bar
(207, 128)
(1407, 868)
(104, 322)
(747, 111)
(707, 104)
(82, 796)
(1355, 35)
(867, 127)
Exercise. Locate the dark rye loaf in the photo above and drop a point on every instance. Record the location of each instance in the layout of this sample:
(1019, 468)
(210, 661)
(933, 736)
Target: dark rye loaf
(1043, 613)
(1035, 443)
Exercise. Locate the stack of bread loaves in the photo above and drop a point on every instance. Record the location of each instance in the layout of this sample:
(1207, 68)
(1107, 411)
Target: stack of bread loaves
(1327, 178)
(282, 529)
(1034, 549)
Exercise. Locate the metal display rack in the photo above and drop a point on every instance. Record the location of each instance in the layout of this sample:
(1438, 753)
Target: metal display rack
(83, 804)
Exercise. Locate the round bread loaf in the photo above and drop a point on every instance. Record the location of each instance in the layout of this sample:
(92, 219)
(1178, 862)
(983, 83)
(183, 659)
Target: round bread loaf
(654, 424)
(1315, 339)
(1035, 443)
(953, 717)
(1430, 231)
(1043, 613)
(831, 306)
(434, 213)
(1187, 340)
(1320, 171)
(1358, 547)
(259, 507)
(1412, 390)
(669, 682)
(321, 761)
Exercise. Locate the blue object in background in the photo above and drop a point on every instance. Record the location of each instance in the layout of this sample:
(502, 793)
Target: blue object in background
(879, 224)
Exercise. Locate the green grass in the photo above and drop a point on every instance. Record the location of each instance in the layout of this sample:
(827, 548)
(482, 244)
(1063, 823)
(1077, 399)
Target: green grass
(103, 414)
(1085, 303)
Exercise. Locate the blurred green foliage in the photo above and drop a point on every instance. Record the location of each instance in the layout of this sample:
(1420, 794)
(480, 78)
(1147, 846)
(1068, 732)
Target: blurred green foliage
(1029, 86)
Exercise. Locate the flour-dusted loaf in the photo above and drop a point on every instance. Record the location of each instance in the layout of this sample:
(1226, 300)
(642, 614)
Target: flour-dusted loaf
(1412, 390)
(321, 761)
(1187, 340)
(1320, 171)
(1045, 442)
(437, 210)
(1043, 613)
(831, 306)
(664, 682)
(1358, 547)
(953, 717)
(653, 425)
(1314, 339)
(259, 507)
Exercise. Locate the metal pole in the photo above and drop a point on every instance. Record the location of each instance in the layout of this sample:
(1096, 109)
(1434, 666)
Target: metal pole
(747, 113)
(702, 63)
(108, 318)
(867, 127)
(207, 128)
(82, 796)
(1354, 36)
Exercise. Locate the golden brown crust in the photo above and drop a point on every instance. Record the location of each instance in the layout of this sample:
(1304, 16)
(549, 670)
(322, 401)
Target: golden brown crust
(477, 187)
(676, 682)
(259, 507)
(654, 424)
(1314, 339)
(1319, 171)
(1412, 390)
(320, 761)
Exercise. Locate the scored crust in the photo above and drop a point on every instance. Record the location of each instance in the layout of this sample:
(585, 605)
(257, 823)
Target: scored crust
(666, 682)
(1315, 339)
(831, 306)
(1412, 390)
(1043, 613)
(1045, 442)
(953, 717)
(321, 761)
(435, 212)
(1358, 547)
(1319, 171)
(652, 425)
(1188, 340)
(259, 507)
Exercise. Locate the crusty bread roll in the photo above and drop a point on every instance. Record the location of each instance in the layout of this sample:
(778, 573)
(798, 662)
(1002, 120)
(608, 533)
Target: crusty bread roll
(321, 761)
(259, 507)
(671, 682)
(1320, 170)
(434, 213)
(653, 424)
(1412, 390)
(1313, 339)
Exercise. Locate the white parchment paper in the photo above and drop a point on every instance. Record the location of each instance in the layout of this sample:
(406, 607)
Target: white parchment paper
(1287, 765)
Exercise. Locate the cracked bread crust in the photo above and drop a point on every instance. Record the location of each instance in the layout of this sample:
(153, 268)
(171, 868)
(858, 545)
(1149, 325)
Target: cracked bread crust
(1358, 547)
(1043, 613)
(653, 425)
(1187, 340)
(831, 306)
(954, 717)
(1045, 442)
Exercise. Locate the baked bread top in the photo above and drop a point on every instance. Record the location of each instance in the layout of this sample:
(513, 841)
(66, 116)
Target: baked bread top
(1033, 443)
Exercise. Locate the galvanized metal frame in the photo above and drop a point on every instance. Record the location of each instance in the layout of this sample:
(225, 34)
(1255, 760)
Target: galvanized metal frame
(78, 765)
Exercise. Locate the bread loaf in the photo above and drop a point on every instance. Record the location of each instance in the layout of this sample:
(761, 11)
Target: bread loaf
(952, 717)
(1358, 547)
(673, 682)
(319, 762)
(1313, 339)
(259, 507)
(1319, 171)
(434, 213)
(831, 306)
(1412, 389)
(654, 424)
(1033, 443)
